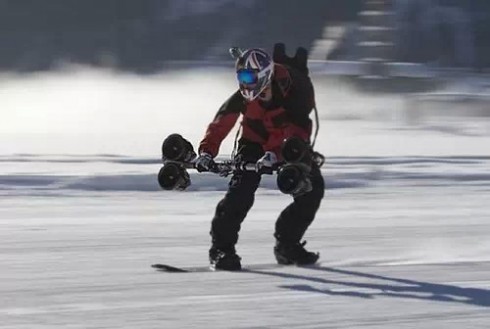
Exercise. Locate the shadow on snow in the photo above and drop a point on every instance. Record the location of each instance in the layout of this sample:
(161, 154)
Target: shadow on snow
(390, 287)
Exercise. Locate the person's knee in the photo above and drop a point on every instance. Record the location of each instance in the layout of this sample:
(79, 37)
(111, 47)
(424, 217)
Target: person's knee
(309, 203)
(318, 184)
(317, 192)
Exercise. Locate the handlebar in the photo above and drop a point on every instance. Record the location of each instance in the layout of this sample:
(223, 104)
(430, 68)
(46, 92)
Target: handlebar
(224, 168)
(290, 179)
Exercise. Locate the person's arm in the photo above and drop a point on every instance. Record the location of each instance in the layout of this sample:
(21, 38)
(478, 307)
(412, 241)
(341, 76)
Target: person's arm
(222, 124)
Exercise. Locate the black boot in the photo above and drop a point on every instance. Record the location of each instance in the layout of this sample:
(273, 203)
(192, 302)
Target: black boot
(294, 253)
(224, 259)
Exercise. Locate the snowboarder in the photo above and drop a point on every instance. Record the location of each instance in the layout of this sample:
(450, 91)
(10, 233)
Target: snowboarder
(275, 98)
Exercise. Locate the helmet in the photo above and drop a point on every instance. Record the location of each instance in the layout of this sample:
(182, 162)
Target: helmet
(254, 68)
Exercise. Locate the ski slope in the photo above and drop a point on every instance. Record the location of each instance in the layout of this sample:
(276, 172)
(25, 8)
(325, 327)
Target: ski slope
(403, 231)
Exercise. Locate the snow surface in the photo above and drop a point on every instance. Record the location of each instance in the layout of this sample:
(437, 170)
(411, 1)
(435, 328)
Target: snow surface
(403, 231)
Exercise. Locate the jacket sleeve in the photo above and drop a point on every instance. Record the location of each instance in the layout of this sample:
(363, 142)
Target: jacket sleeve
(222, 124)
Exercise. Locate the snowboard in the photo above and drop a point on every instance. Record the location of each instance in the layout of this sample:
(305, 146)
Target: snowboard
(202, 269)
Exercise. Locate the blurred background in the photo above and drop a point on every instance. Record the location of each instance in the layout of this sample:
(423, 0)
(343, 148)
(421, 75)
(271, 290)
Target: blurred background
(85, 67)
(143, 35)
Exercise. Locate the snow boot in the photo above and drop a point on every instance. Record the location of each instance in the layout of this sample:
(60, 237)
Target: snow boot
(224, 259)
(294, 253)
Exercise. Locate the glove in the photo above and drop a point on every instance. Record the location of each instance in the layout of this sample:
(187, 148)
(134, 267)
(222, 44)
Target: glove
(265, 164)
(204, 162)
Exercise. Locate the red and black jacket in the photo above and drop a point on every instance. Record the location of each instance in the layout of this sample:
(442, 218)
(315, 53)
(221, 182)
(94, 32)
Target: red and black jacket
(267, 124)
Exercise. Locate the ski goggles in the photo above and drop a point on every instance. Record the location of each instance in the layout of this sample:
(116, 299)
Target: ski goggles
(247, 76)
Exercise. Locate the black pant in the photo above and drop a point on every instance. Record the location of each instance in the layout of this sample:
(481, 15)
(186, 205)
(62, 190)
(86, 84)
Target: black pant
(233, 208)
